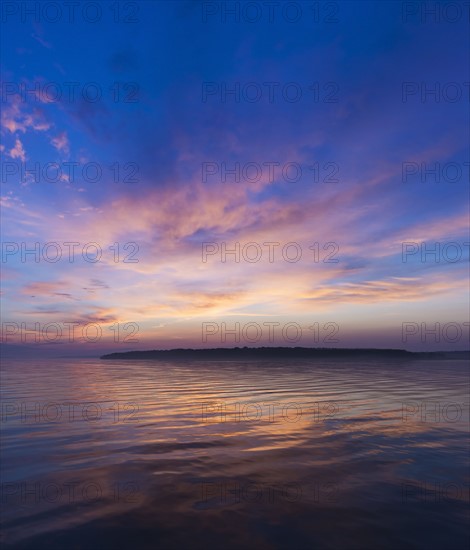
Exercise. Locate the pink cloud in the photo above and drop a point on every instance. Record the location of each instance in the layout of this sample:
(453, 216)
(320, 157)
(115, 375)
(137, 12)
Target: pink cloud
(15, 118)
(18, 152)
(61, 142)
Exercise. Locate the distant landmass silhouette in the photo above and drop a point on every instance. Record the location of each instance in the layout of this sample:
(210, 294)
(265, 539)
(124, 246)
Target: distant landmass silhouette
(283, 353)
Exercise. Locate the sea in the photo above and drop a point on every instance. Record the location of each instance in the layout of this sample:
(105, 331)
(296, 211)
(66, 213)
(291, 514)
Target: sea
(315, 454)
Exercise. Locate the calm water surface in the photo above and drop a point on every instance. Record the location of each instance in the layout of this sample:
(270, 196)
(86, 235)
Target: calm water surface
(319, 454)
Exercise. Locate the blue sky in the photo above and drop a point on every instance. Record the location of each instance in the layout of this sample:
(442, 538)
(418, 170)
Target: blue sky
(351, 101)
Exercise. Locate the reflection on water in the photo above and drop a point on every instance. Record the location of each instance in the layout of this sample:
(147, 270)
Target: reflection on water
(320, 454)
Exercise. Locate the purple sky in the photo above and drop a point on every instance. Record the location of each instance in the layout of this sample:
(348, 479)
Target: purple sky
(332, 136)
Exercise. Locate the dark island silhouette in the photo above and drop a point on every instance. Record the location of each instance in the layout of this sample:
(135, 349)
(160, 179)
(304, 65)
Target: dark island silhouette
(245, 353)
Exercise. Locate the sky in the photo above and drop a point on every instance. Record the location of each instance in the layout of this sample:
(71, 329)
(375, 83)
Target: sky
(212, 174)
